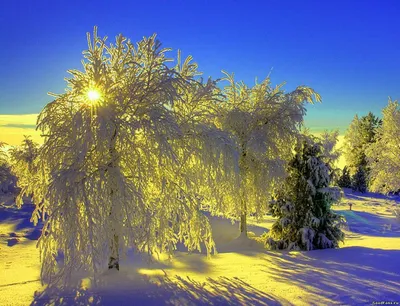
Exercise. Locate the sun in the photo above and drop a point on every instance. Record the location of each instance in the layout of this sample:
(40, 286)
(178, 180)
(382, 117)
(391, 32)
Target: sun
(93, 96)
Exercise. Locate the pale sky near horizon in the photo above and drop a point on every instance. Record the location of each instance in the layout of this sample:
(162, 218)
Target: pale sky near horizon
(14, 127)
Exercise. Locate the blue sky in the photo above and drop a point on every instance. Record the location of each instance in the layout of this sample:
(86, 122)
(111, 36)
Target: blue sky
(348, 51)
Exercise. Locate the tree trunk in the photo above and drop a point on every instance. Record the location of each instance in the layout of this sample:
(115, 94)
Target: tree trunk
(243, 219)
(243, 200)
(113, 261)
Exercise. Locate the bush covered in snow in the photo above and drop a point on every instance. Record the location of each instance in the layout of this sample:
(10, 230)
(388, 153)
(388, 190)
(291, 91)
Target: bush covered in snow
(303, 204)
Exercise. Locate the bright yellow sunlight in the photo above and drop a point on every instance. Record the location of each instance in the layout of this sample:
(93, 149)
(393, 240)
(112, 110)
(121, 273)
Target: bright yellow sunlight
(94, 96)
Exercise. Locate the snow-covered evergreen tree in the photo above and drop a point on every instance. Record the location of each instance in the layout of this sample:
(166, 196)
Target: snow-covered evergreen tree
(3, 154)
(330, 153)
(359, 180)
(124, 149)
(7, 179)
(359, 136)
(344, 180)
(383, 155)
(303, 205)
(3, 163)
(23, 160)
(264, 121)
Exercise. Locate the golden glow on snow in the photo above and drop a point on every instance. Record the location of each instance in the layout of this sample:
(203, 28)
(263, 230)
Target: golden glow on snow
(241, 273)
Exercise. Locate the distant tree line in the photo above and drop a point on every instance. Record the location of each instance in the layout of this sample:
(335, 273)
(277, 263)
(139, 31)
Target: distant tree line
(371, 151)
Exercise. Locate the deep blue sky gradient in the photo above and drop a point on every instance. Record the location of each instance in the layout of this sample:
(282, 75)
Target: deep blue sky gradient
(348, 51)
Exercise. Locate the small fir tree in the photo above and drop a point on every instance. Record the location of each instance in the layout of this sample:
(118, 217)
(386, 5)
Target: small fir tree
(345, 179)
(360, 135)
(359, 180)
(23, 161)
(7, 180)
(303, 205)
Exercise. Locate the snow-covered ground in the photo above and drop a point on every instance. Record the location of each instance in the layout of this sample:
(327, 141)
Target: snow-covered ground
(366, 269)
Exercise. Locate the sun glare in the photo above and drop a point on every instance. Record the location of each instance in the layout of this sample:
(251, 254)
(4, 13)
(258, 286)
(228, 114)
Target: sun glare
(93, 95)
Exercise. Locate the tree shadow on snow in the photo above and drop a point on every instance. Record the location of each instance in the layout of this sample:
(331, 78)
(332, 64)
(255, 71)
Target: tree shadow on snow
(352, 275)
(370, 224)
(20, 219)
(355, 195)
(224, 230)
(161, 291)
(227, 238)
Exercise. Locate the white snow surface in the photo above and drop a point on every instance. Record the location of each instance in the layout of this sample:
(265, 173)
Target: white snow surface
(366, 269)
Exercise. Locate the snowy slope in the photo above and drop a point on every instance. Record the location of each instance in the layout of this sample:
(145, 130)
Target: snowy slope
(364, 270)
(20, 266)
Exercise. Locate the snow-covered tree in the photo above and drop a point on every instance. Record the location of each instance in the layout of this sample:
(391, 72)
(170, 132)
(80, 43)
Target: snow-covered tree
(330, 153)
(7, 180)
(383, 155)
(3, 162)
(344, 180)
(23, 160)
(3, 154)
(303, 204)
(359, 180)
(123, 150)
(360, 134)
(264, 121)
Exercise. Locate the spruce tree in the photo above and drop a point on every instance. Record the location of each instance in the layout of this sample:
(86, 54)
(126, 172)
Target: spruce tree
(3, 164)
(7, 179)
(359, 180)
(303, 205)
(344, 180)
(330, 152)
(23, 161)
(359, 136)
